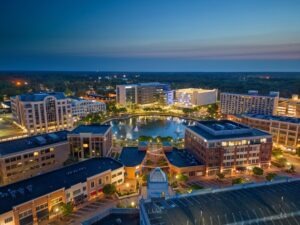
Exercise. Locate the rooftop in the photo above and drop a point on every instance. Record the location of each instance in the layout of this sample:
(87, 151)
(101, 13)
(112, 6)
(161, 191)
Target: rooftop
(93, 128)
(255, 93)
(36, 97)
(267, 204)
(225, 129)
(19, 145)
(26, 190)
(131, 156)
(275, 118)
(192, 90)
(182, 158)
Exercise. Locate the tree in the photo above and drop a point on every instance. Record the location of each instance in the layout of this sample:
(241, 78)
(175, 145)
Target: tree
(281, 162)
(258, 171)
(271, 176)
(291, 169)
(67, 208)
(298, 151)
(109, 189)
(182, 177)
(221, 176)
(238, 181)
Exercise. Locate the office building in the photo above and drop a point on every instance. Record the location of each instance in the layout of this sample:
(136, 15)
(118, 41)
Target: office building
(42, 112)
(252, 102)
(81, 107)
(27, 157)
(289, 107)
(41, 197)
(274, 203)
(196, 96)
(88, 141)
(225, 146)
(144, 93)
(285, 130)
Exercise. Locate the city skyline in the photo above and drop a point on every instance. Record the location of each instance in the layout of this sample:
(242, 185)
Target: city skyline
(208, 36)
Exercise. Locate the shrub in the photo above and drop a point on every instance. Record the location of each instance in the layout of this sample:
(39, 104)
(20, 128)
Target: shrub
(109, 189)
(271, 176)
(258, 171)
(238, 181)
(221, 176)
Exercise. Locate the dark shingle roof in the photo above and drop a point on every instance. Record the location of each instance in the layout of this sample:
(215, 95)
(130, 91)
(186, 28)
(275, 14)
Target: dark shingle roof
(52, 181)
(93, 128)
(18, 145)
(131, 156)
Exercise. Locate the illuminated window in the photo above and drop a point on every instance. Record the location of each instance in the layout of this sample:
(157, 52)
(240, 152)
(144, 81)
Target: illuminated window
(36, 153)
(85, 145)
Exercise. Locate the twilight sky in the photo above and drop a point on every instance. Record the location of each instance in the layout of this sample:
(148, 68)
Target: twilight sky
(150, 35)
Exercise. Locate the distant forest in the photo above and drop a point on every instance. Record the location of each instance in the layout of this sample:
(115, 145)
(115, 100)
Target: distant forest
(12, 83)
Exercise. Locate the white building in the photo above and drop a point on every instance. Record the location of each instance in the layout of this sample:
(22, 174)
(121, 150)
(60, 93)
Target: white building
(81, 107)
(196, 96)
(232, 103)
(42, 112)
(157, 185)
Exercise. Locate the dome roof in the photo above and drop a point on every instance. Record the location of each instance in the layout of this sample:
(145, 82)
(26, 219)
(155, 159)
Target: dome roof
(157, 175)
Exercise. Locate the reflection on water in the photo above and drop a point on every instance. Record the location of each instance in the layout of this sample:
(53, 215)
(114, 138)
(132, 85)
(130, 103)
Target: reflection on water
(149, 126)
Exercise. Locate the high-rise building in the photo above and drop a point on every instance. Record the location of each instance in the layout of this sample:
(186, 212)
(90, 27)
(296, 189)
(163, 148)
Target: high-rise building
(252, 102)
(42, 112)
(144, 93)
(289, 107)
(285, 130)
(196, 96)
(87, 141)
(225, 146)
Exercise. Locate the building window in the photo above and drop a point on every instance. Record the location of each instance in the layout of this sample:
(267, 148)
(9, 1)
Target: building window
(92, 184)
(7, 220)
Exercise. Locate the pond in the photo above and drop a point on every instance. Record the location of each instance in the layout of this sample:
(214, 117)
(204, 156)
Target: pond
(154, 126)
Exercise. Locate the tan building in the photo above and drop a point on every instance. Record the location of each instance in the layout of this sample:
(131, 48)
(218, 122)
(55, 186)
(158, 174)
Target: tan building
(42, 112)
(252, 102)
(195, 96)
(289, 107)
(88, 141)
(23, 158)
(225, 146)
(39, 198)
(285, 130)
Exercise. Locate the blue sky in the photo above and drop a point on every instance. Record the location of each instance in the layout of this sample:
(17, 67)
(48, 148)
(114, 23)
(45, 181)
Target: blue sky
(156, 35)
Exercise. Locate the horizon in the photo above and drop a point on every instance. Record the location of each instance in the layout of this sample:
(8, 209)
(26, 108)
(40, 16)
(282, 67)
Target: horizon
(168, 36)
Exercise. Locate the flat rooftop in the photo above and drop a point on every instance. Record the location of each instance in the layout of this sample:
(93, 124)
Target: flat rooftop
(192, 90)
(275, 118)
(29, 189)
(225, 129)
(131, 156)
(93, 128)
(267, 204)
(36, 97)
(19, 145)
(182, 158)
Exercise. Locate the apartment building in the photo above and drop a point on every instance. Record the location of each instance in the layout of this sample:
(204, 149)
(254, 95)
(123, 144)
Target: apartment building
(90, 141)
(285, 130)
(196, 96)
(144, 93)
(225, 146)
(289, 107)
(27, 157)
(40, 198)
(81, 107)
(252, 102)
(42, 112)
